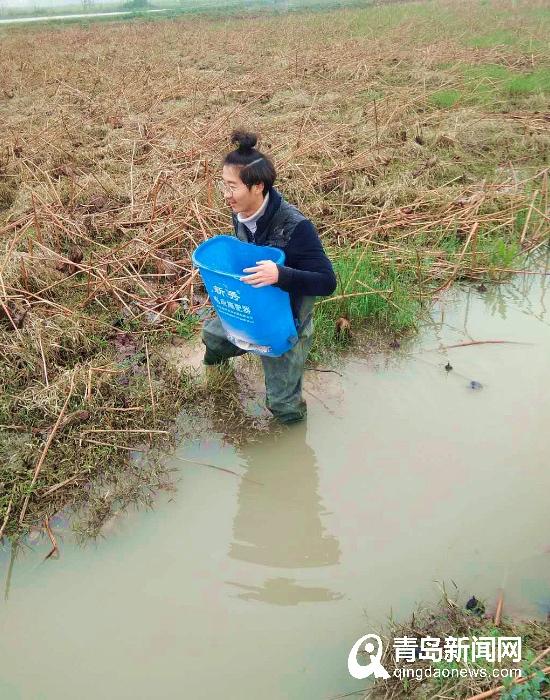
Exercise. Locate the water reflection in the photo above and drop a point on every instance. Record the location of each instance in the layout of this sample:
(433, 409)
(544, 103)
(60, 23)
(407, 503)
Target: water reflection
(279, 523)
(285, 591)
(522, 293)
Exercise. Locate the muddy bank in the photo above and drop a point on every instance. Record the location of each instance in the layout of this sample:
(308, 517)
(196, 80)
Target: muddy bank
(474, 675)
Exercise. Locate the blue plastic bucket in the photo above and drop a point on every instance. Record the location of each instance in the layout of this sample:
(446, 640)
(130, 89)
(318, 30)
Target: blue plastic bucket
(258, 320)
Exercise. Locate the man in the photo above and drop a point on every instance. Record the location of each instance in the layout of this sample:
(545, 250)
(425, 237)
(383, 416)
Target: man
(262, 216)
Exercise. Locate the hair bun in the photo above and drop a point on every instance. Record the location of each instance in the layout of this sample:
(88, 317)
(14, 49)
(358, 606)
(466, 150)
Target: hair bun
(244, 140)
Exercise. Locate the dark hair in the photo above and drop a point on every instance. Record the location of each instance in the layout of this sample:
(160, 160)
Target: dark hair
(254, 166)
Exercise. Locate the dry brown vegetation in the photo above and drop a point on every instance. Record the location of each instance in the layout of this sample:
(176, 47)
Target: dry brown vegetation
(390, 127)
(451, 618)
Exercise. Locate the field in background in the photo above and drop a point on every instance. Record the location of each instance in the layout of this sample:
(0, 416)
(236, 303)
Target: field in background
(174, 7)
(414, 135)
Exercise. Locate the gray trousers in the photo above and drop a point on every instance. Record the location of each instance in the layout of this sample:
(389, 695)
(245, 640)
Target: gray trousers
(283, 375)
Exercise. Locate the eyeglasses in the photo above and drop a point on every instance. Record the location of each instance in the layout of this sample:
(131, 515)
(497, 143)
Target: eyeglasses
(226, 189)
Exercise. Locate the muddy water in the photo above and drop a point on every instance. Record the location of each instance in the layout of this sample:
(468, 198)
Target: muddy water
(256, 585)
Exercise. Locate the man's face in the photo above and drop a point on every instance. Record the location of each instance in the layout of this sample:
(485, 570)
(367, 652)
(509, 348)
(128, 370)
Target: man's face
(237, 195)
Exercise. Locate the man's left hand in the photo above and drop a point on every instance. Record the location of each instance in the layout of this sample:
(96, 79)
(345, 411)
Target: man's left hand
(264, 274)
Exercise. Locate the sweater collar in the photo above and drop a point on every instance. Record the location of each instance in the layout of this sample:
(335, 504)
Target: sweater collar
(275, 199)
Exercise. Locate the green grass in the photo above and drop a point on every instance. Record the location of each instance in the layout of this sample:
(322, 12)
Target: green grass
(500, 253)
(491, 86)
(368, 291)
(490, 251)
(445, 99)
(486, 72)
(493, 79)
(542, 13)
(385, 17)
(485, 83)
(511, 39)
(529, 83)
(500, 37)
(186, 326)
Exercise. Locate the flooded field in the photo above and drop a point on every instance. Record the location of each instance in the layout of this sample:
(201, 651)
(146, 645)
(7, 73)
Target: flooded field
(258, 584)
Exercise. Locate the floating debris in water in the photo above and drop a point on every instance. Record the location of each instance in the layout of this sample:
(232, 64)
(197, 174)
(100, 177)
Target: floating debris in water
(395, 344)
(475, 606)
(481, 288)
(448, 366)
(475, 385)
